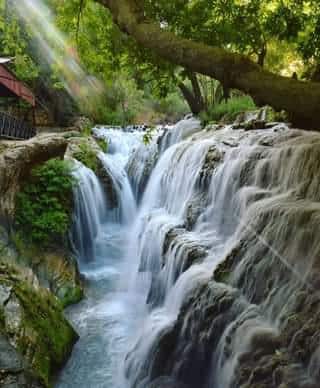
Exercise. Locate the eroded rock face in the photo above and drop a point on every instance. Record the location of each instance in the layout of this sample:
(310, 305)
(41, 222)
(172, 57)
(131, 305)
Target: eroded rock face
(13, 370)
(17, 158)
(31, 324)
(55, 269)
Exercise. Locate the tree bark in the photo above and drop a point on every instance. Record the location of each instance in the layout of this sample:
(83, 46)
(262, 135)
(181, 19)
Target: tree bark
(300, 99)
(195, 105)
(194, 96)
(262, 55)
(196, 90)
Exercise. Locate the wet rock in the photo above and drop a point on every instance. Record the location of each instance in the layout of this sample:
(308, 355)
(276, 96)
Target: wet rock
(194, 210)
(35, 337)
(213, 158)
(107, 184)
(252, 119)
(55, 269)
(167, 382)
(14, 372)
(13, 315)
(185, 350)
(140, 166)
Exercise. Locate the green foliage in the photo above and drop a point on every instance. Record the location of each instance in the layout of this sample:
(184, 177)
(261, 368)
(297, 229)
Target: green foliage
(229, 109)
(173, 107)
(283, 35)
(14, 42)
(44, 206)
(86, 155)
(87, 130)
(103, 144)
(148, 135)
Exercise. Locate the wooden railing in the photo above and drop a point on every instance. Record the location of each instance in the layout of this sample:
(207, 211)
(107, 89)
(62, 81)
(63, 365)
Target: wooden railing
(13, 128)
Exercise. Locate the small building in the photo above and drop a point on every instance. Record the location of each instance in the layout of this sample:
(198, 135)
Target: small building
(12, 89)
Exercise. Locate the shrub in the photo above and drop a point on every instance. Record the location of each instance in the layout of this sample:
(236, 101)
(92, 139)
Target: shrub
(87, 156)
(44, 206)
(229, 109)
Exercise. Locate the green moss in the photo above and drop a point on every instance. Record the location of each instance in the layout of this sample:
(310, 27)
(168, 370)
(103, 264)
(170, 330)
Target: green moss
(103, 144)
(44, 206)
(87, 129)
(70, 295)
(272, 115)
(41, 334)
(221, 275)
(87, 156)
(54, 265)
(47, 334)
(223, 270)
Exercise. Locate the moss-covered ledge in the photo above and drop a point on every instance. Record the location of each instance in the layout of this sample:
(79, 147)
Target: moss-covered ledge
(33, 329)
(55, 269)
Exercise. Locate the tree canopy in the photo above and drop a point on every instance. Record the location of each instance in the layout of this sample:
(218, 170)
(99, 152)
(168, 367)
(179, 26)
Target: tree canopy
(145, 48)
(218, 44)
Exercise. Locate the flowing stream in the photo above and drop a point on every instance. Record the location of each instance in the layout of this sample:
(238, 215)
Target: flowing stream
(186, 203)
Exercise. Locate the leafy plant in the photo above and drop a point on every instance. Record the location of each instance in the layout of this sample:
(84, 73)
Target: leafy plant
(44, 206)
(87, 156)
(148, 135)
(229, 109)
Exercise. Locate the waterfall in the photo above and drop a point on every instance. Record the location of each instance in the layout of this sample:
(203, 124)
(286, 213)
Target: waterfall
(218, 264)
(208, 197)
(126, 209)
(90, 212)
(91, 201)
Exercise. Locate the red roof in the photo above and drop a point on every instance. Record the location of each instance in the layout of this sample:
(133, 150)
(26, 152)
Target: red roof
(11, 86)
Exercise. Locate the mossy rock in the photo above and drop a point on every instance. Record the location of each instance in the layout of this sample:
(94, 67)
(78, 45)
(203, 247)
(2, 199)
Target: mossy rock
(55, 268)
(34, 323)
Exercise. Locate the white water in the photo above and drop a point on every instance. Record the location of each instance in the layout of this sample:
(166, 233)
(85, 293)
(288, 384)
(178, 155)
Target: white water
(108, 314)
(137, 286)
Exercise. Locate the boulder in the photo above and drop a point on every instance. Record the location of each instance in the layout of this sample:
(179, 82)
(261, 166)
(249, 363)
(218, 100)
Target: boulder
(252, 119)
(55, 269)
(35, 338)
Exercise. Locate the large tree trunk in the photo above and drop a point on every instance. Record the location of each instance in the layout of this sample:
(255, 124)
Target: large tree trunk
(300, 99)
(194, 104)
(196, 90)
(193, 96)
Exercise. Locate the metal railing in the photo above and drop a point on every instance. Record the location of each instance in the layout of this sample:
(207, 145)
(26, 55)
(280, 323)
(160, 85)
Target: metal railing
(13, 128)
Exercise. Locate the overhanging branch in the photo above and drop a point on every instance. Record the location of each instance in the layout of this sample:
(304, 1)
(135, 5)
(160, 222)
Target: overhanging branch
(300, 99)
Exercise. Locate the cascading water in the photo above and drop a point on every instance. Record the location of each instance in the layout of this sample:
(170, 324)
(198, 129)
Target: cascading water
(90, 212)
(207, 287)
(107, 315)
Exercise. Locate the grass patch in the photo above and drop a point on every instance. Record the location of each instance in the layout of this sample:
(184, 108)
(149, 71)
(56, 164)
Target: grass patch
(44, 206)
(228, 110)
